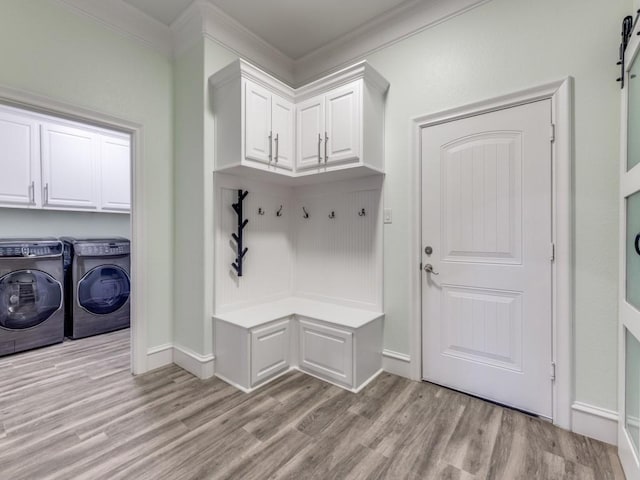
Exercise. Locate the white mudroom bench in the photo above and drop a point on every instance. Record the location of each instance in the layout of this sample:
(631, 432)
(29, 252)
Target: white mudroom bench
(341, 345)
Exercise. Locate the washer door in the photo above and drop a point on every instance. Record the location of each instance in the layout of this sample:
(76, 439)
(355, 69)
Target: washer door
(28, 298)
(104, 289)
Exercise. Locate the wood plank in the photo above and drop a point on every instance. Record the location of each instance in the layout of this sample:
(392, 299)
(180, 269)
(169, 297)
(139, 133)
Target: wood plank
(74, 411)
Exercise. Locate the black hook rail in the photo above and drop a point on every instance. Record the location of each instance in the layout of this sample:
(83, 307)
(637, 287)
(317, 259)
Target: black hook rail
(627, 28)
(241, 252)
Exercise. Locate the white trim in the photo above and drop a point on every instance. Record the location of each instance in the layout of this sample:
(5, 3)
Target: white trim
(125, 20)
(560, 93)
(32, 101)
(203, 18)
(159, 356)
(398, 24)
(396, 363)
(202, 366)
(595, 422)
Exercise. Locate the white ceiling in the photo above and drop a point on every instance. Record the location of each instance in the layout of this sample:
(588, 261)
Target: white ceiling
(165, 11)
(295, 27)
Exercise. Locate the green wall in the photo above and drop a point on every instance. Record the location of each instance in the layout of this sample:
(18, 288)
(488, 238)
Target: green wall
(502, 46)
(18, 222)
(193, 183)
(497, 48)
(47, 50)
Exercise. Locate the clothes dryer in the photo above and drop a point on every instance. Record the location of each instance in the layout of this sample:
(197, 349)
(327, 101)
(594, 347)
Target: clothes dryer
(97, 285)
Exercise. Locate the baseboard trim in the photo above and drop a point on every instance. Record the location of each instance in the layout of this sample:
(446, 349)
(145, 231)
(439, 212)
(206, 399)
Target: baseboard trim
(396, 363)
(595, 422)
(159, 356)
(200, 365)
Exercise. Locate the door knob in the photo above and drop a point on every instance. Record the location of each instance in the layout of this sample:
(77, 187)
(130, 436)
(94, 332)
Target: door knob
(429, 269)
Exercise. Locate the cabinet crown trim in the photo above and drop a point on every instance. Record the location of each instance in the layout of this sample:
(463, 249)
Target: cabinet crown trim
(243, 69)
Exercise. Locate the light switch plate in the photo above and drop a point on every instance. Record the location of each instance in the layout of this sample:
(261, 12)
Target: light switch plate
(388, 216)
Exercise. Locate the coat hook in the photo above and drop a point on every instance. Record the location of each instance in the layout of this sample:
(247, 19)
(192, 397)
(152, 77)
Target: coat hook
(362, 212)
(332, 214)
(260, 211)
(279, 212)
(306, 214)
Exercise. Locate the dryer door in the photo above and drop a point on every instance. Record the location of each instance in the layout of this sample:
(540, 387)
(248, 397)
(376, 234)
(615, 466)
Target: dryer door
(104, 289)
(28, 298)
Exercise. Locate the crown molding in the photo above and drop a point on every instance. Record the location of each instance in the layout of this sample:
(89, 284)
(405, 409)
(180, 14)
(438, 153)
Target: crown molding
(202, 18)
(396, 25)
(244, 69)
(125, 20)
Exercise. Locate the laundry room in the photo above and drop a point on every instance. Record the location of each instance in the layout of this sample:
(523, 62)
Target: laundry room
(65, 223)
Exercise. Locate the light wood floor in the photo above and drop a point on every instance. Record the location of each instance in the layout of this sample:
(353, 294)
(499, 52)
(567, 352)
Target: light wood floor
(73, 411)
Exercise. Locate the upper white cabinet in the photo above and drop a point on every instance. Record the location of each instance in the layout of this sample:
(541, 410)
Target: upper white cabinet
(329, 128)
(19, 160)
(254, 120)
(115, 173)
(283, 131)
(56, 164)
(69, 163)
(268, 127)
(310, 123)
(333, 125)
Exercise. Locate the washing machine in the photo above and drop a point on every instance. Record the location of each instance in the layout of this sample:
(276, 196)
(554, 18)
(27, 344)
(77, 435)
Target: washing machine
(97, 285)
(31, 293)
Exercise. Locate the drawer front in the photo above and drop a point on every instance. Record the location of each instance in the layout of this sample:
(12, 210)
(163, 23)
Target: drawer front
(269, 351)
(326, 352)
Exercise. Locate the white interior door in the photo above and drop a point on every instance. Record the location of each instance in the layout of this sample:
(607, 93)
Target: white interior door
(629, 301)
(486, 217)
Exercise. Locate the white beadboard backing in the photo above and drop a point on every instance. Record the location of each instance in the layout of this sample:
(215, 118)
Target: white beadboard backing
(333, 260)
(339, 260)
(268, 264)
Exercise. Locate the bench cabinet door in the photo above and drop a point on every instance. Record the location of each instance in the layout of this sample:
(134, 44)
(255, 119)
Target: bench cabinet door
(269, 351)
(326, 352)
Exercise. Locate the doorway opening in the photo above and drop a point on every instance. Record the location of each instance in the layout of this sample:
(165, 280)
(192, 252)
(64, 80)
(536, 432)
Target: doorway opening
(82, 179)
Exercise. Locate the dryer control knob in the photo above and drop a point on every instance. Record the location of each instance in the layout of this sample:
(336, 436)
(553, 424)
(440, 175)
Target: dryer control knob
(14, 299)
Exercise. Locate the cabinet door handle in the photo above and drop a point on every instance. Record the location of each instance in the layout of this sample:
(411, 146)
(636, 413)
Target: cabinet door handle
(270, 146)
(277, 142)
(326, 141)
(32, 193)
(319, 143)
(46, 193)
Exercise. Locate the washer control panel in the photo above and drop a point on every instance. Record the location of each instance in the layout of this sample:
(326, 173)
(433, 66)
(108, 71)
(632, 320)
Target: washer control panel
(30, 249)
(101, 249)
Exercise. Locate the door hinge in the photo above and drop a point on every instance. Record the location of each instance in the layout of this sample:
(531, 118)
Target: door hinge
(553, 371)
(553, 252)
(552, 132)
(420, 266)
